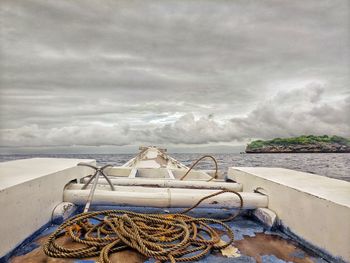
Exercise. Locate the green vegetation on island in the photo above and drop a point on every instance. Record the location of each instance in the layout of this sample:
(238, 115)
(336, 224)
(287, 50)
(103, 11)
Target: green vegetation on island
(304, 143)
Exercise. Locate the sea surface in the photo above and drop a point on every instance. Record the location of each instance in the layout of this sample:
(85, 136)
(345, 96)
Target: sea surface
(335, 165)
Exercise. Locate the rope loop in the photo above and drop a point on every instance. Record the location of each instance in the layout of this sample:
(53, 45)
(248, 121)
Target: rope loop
(197, 161)
(173, 237)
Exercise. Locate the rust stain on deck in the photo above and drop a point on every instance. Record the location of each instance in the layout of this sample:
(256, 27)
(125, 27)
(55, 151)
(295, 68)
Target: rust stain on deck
(257, 246)
(38, 256)
(263, 244)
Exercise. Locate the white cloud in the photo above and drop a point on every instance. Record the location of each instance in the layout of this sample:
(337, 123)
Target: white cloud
(294, 112)
(129, 72)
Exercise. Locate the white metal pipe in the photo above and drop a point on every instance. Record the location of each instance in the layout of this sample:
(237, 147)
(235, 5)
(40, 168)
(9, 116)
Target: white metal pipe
(165, 197)
(168, 183)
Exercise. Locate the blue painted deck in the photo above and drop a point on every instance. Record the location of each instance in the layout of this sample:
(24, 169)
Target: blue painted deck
(255, 242)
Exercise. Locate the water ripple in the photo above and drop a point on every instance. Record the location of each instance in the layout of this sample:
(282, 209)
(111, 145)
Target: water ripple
(335, 165)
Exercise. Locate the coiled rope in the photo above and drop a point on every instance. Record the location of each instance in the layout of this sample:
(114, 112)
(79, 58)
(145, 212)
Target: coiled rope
(166, 237)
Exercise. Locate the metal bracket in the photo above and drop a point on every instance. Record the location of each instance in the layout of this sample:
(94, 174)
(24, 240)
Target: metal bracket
(98, 171)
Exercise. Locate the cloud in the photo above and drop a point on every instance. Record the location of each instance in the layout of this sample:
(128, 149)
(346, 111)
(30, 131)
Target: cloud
(296, 112)
(290, 113)
(94, 135)
(127, 72)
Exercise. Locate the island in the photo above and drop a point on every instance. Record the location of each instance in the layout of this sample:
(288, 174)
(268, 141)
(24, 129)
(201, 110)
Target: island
(301, 144)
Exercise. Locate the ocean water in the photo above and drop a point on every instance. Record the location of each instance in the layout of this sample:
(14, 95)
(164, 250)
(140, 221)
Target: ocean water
(335, 165)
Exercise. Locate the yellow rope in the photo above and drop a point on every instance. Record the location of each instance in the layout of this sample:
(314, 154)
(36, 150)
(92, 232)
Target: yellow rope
(166, 237)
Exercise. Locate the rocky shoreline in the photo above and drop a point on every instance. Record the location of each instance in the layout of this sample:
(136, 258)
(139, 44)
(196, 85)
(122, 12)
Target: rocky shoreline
(320, 147)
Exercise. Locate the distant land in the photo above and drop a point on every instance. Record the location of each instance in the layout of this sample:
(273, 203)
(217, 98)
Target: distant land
(301, 144)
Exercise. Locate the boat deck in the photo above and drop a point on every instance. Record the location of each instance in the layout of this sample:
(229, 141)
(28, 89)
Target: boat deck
(310, 214)
(253, 241)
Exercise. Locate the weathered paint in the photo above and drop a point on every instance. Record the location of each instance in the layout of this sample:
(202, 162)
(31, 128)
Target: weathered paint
(28, 244)
(29, 191)
(62, 212)
(272, 244)
(253, 241)
(37, 254)
(266, 216)
(309, 246)
(313, 207)
(243, 228)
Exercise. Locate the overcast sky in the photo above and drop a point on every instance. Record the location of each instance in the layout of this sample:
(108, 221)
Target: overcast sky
(184, 74)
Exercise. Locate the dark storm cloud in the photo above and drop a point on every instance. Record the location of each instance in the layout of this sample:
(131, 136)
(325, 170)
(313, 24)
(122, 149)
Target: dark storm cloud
(126, 72)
